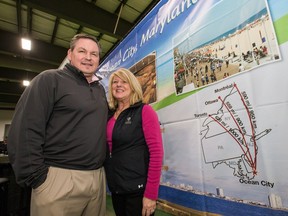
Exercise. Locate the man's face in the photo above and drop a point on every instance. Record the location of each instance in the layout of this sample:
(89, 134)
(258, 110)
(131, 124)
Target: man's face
(85, 56)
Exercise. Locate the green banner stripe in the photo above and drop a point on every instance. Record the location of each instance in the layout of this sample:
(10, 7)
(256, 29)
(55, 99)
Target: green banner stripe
(281, 29)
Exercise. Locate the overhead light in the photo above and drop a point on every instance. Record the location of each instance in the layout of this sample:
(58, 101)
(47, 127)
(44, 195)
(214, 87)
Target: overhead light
(26, 44)
(26, 82)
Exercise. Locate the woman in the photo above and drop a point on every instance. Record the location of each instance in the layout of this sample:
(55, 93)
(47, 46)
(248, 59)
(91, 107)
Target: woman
(134, 159)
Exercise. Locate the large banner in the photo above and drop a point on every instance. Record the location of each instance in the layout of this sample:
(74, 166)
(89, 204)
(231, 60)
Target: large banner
(216, 73)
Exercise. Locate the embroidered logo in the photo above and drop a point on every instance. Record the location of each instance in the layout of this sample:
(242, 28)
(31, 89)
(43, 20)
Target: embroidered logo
(128, 120)
(140, 186)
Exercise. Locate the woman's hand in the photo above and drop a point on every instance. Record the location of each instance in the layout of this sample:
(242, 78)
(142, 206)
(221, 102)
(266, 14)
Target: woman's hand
(149, 206)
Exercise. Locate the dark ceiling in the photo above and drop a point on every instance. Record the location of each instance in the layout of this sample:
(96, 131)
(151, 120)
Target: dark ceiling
(50, 25)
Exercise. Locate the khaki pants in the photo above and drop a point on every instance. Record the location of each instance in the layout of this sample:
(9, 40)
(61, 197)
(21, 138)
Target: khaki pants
(70, 193)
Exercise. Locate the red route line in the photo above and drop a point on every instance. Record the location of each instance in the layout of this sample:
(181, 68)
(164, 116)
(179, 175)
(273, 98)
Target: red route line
(249, 157)
(245, 143)
(252, 128)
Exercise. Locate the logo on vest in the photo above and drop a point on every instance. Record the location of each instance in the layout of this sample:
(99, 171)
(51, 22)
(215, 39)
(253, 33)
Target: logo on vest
(128, 120)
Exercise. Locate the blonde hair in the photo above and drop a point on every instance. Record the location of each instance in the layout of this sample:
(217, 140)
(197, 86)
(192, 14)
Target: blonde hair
(127, 76)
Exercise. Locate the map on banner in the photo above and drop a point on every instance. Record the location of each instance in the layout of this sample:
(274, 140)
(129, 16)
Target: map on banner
(230, 134)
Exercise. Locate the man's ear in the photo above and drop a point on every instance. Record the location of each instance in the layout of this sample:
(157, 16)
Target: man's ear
(69, 54)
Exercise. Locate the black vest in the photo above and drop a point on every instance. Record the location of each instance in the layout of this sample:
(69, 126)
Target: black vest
(127, 167)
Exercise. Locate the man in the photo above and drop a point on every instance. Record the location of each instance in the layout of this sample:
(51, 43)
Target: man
(57, 138)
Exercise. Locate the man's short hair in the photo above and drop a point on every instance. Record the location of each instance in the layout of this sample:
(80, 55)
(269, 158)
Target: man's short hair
(79, 36)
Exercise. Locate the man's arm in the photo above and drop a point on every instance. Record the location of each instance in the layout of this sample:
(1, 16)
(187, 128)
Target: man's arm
(27, 133)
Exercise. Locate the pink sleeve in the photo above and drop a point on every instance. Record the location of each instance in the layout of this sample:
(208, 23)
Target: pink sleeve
(109, 131)
(153, 137)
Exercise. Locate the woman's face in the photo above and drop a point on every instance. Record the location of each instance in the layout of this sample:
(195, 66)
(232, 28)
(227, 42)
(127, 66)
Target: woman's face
(121, 90)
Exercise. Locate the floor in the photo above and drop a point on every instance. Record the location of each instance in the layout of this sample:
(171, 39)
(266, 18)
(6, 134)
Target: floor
(110, 211)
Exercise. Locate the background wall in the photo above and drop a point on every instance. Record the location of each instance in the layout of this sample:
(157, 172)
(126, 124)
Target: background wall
(5, 118)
